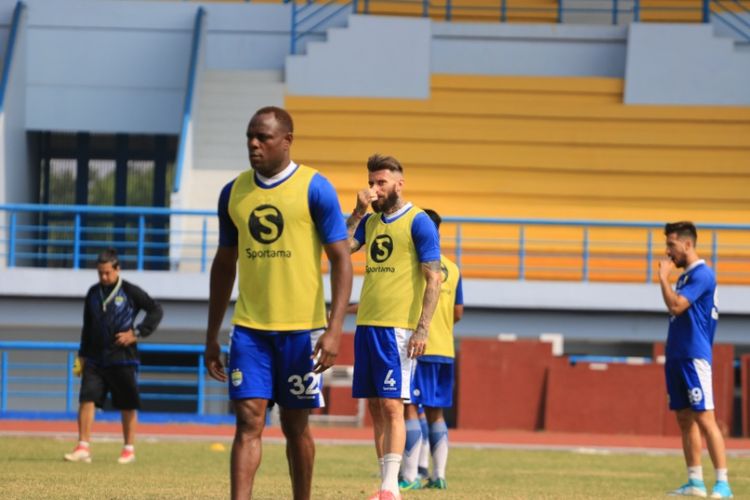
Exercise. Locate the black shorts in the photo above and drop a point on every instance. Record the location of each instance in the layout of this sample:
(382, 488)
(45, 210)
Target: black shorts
(121, 381)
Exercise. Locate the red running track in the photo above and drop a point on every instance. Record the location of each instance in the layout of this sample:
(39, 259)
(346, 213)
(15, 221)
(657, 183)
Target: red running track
(458, 437)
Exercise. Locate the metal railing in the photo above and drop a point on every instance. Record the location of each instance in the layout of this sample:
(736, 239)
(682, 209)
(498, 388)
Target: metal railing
(71, 236)
(311, 16)
(27, 375)
(170, 386)
(733, 14)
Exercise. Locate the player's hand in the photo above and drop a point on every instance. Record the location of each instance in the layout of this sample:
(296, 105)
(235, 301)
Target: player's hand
(78, 366)
(325, 352)
(125, 338)
(665, 268)
(364, 198)
(417, 342)
(212, 360)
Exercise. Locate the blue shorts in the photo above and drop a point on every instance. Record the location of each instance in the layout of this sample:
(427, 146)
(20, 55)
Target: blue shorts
(274, 366)
(432, 385)
(382, 368)
(689, 384)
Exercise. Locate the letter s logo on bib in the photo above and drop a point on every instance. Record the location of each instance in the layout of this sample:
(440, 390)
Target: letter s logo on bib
(381, 248)
(266, 224)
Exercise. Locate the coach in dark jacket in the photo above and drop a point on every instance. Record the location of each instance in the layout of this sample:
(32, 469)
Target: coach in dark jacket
(108, 354)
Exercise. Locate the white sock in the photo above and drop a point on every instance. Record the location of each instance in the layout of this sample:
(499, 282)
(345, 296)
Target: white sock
(129, 447)
(721, 475)
(391, 465)
(424, 452)
(695, 472)
(381, 466)
(439, 448)
(83, 444)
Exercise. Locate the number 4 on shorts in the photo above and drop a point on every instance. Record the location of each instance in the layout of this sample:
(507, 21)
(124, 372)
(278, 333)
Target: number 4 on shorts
(389, 380)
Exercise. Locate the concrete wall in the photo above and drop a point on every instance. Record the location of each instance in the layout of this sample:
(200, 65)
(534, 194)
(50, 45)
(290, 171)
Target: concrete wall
(685, 64)
(582, 312)
(122, 66)
(21, 182)
(531, 50)
(255, 36)
(108, 66)
(361, 60)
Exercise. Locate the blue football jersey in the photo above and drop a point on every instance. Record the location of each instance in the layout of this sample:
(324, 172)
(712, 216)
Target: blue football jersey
(691, 334)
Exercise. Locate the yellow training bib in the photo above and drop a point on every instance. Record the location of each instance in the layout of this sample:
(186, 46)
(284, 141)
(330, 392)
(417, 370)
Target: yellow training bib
(393, 289)
(280, 282)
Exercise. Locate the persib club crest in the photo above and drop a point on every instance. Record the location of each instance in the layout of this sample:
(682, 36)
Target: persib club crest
(236, 377)
(266, 224)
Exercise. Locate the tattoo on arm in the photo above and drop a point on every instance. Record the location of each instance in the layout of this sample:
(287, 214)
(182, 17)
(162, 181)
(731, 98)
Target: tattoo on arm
(431, 272)
(351, 227)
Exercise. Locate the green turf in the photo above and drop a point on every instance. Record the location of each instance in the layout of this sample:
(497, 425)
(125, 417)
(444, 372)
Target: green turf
(33, 468)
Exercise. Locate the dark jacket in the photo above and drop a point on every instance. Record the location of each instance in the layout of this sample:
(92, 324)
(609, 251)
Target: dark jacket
(102, 321)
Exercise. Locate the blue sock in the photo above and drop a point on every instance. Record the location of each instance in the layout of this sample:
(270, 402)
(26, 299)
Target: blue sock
(410, 460)
(413, 434)
(424, 428)
(438, 431)
(424, 452)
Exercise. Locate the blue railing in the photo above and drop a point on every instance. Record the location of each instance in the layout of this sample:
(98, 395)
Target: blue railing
(312, 16)
(9, 51)
(71, 236)
(587, 251)
(317, 14)
(15, 374)
(185, 135)
(726, 12)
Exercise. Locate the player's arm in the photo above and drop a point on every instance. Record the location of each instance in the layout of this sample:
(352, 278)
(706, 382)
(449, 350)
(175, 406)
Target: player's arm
(458, 312)
(223, 272)
(326, 213)
(458, 305)
(327, 348)
(676, 303)
(427, 243)
(418, 340)
(353, 222)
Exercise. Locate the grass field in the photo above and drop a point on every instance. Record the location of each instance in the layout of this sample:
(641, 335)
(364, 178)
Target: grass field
(32, 468)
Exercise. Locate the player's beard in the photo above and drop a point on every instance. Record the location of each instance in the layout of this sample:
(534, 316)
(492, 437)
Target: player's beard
(680, 261)
(387, 203)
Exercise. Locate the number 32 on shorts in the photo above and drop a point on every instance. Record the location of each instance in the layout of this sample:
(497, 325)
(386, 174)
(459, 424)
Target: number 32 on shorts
(307, 385)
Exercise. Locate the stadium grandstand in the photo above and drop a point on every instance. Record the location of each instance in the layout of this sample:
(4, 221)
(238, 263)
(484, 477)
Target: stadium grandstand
(555, 137)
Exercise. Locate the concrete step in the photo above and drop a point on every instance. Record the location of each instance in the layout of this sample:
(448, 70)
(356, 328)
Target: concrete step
(227, 101)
